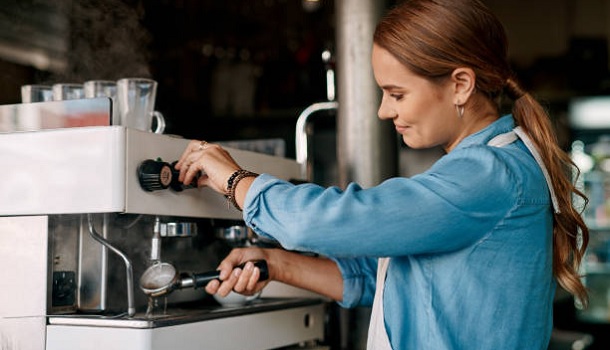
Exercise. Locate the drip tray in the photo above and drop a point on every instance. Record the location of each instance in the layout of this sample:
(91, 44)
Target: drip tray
(181, 313)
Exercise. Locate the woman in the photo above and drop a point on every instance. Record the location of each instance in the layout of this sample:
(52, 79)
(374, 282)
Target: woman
(464, 256)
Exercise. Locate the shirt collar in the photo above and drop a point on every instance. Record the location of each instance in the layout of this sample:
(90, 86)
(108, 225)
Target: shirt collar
(503, 124)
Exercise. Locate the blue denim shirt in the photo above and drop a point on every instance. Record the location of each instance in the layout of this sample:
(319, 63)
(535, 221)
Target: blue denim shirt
(470, 242)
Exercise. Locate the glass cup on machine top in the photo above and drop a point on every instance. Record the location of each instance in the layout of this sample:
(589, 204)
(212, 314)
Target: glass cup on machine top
(100, 88)
(68, 91)
(103, 88)
(136, 103)
(36, 93)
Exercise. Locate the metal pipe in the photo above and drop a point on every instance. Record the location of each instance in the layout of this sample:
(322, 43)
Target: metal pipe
(301, 140)
(155, 246)
(331, 90)
(131, 310)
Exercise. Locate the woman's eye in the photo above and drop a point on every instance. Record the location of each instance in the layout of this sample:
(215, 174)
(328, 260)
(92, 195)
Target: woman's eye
(397, 97)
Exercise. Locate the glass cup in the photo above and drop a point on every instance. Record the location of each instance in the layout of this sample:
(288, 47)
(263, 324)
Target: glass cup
(136, 103)
(103, 88)
(68, 91)
(100, 88)
(36, 93)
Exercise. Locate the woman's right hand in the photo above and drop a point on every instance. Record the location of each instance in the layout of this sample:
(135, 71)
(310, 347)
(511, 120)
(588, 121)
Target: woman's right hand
(211, 162)
(318, 274)
(244, 281)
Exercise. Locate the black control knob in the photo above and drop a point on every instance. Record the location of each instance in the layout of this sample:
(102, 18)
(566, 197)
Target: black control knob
(154, 175)
(178, 186)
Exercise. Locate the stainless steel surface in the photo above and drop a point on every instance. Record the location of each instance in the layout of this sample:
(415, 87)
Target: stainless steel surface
(331, 90)
(75, 199)
(302, 147)
(55, 114)
(181, 314)
(92, 257)
(95, 292)
(235, 235)
(60, 254)
(178, 229)
(159, 279)
(232, 329)
(366, 146)
(93, 170)
(155, 243)
(131, 309)
(23, 255)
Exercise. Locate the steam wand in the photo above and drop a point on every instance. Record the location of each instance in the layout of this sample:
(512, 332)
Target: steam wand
(155, 251)
(131, 310)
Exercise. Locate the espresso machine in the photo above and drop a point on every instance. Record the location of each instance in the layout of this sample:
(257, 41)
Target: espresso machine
(87, 207)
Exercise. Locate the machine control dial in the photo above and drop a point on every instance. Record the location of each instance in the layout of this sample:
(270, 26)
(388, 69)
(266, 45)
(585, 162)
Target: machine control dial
(178, 186)
(154, 175)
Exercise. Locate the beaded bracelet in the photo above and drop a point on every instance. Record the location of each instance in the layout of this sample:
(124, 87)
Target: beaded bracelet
(232, 182)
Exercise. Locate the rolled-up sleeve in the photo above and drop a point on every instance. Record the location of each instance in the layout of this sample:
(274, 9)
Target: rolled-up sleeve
(454, 204)
(359, 276)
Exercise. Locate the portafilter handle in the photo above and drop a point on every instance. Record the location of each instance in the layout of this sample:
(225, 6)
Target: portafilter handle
(196, 280)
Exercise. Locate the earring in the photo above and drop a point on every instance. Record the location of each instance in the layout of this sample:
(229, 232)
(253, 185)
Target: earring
(460, 110)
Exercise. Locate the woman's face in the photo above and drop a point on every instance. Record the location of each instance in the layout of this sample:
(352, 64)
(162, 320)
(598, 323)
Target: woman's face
(423, 113)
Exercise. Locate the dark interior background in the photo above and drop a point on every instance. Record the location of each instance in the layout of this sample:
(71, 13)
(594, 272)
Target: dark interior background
(239, 69)
(227, 70)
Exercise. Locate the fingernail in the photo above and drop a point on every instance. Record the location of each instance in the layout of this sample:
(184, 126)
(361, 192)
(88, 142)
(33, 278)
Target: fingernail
(222, 276)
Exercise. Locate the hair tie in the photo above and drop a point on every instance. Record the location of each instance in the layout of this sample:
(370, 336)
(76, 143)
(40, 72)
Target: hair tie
(513, 89)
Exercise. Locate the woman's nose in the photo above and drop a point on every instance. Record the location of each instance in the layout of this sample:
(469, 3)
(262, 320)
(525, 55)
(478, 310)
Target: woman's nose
(384, 112)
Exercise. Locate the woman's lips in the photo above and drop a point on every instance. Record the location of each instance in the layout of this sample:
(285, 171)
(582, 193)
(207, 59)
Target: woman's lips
(401, 129)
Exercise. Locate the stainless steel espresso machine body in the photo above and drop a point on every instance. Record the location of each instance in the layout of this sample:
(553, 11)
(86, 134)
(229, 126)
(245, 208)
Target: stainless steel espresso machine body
(77, 229)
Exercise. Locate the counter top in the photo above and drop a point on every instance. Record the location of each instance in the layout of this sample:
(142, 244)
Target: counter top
(182, 313)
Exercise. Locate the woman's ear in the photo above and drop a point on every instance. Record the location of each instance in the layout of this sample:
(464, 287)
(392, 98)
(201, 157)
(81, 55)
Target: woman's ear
(463, 81)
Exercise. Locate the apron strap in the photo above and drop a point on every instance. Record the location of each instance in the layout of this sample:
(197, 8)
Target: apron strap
(509, 137)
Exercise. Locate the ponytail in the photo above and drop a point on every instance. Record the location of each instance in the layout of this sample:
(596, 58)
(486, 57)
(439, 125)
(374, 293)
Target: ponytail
(570, 233)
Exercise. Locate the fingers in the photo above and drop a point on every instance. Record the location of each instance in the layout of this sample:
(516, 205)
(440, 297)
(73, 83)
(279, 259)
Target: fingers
(247, 279)
(244, 281)
(187, 162)
(212, 287)
(190, 148)
(191, 169)
(227, 285)
(227, 265)
(210, 162)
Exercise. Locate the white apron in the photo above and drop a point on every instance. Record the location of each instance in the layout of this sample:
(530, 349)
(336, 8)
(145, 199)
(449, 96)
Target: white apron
(378, 335)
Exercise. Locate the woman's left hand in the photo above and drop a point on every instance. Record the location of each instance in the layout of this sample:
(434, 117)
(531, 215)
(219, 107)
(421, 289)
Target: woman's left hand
(212, 163)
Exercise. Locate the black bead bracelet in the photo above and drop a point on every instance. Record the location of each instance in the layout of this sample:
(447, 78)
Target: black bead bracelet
(232, 182)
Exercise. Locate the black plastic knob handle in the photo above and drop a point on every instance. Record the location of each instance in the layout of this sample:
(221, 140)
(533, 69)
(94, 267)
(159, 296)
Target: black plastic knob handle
(201, 279)
(154, 175)
(178, 186)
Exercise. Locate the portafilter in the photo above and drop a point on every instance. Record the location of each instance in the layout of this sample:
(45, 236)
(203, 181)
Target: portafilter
(162, 278)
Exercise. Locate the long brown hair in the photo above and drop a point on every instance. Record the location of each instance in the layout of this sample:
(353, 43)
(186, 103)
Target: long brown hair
(433, 38)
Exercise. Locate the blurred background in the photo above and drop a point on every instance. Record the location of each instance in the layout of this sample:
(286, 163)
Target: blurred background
(226, 69)
(245, 69)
